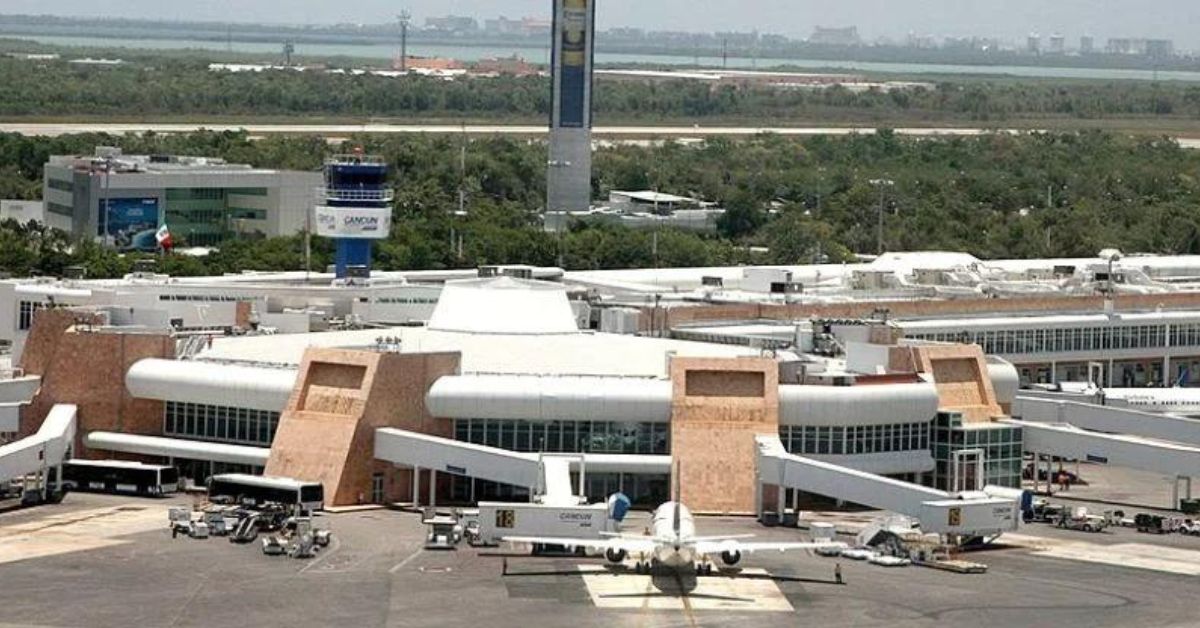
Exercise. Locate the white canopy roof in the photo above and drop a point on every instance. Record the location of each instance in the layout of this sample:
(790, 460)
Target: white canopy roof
(503, 305)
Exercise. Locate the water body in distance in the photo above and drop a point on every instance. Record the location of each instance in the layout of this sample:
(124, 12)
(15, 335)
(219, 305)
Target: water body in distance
(542, 55)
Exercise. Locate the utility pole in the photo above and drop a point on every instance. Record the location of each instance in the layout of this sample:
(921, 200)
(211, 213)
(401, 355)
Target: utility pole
(725, 53)
(820, 188)
(462, 172)
(882, 184)
(404, 18)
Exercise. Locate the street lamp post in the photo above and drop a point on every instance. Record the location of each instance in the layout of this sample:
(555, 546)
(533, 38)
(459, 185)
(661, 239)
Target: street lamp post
(106, 203)
(882, 184)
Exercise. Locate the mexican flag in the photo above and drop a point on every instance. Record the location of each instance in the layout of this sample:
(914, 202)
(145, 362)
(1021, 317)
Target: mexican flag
(163, 237)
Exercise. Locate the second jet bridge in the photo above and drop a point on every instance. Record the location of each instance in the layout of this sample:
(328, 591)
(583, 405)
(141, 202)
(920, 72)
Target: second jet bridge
(547, 475)
(940, 512)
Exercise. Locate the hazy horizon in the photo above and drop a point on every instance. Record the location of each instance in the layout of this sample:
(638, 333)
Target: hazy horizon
(1012, 20)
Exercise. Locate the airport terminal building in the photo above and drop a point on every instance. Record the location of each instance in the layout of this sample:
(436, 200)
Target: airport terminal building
(460, 401)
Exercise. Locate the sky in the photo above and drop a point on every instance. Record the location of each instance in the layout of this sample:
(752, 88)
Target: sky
(1009, 19)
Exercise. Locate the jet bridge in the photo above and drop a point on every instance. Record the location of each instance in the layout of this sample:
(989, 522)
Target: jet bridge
(1115, 420)
(971, 515)
(177, 448)
(547, 475)
(1176, 460)
(46, 449)
(16, 393)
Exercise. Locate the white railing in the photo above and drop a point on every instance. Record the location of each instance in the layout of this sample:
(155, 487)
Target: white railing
(357, 195)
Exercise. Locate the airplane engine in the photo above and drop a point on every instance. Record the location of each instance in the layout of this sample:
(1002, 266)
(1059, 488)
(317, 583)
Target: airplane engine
(614, 555)
(731, 557)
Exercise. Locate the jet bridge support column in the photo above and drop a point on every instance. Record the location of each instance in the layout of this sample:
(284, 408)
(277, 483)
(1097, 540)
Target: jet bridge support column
(1187, 490)
(416, 486)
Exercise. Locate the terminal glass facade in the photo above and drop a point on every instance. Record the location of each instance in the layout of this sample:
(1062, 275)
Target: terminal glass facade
(207, 216)
(608, 437)
(999, 455)
(220, 423)
(602, 437)
(860, 439)
(1071, 339)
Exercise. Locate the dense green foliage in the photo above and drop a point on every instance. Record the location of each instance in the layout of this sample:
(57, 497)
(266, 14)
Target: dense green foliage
(1000, 195)
(187, 88)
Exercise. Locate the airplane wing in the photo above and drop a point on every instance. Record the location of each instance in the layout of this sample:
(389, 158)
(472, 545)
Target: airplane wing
(716, 547)
(723, 537)
(631, 545)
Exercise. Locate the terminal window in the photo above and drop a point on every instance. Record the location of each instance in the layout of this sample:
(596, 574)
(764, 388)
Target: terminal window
(25, 313)
(220, 423)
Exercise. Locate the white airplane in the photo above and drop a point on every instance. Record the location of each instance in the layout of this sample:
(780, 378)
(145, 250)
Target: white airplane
(672, 543)
(1177, 400)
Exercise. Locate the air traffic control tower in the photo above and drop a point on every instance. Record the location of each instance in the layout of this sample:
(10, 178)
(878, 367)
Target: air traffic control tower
(569, 169)
(357, 210)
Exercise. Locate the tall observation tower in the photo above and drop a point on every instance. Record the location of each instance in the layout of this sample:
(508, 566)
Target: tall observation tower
(569, 170)
(357, 210)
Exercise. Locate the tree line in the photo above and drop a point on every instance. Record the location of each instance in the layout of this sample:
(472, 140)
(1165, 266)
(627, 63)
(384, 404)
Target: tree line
(788, 200)
(174, 87)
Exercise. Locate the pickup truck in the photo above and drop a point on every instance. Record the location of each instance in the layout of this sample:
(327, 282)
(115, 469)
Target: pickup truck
(1080, 519)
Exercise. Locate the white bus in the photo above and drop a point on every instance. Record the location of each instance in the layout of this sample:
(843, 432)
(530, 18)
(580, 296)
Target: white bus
(257, 490)
(119, 476)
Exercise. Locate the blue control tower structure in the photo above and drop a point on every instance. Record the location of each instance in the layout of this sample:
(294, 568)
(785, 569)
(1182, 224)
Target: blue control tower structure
(357, 209)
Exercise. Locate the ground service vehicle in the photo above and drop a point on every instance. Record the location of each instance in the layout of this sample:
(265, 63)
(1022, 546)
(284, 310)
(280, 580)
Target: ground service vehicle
(257, 491)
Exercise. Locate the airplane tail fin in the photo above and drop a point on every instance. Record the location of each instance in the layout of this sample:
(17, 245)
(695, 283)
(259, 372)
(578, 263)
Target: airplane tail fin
(677, 522)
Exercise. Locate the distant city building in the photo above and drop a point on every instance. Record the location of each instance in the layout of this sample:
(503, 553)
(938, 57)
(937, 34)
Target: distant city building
(1087, 45)
(1058, 44)
(123, 199)
(845, 36)
(569, 168)
(23, 211)
(926, 42)
(1160, 48)
(1033, 44)
(452, 24)
(738, 39)
(524, 27)
(1156, 48)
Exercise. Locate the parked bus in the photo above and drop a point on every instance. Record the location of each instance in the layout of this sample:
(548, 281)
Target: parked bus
(120, 476)
(257, 490)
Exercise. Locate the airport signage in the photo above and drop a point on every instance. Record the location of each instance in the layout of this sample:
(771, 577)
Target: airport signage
(353, 222)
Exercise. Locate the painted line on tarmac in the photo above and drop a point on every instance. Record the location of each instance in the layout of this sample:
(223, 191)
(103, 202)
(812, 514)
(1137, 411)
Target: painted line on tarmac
(400, 565)
(337, 544)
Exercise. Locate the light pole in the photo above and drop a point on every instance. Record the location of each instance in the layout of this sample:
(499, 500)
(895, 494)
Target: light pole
(106, 203)
(882, 184)
(404, 19)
